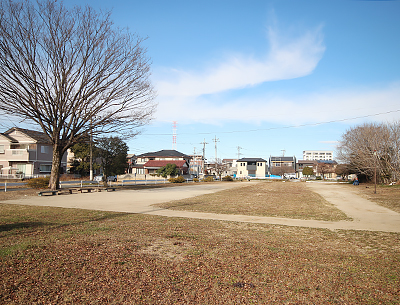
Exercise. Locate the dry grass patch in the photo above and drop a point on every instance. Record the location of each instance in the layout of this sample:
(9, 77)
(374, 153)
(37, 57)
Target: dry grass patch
(280, 199)
(54, 255)
(386, 195)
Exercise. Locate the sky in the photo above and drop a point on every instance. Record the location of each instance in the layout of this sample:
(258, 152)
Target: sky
(267, 77)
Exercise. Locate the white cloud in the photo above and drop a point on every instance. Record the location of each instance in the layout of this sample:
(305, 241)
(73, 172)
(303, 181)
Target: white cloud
(332, 105)
(290, 60)
(191, 97)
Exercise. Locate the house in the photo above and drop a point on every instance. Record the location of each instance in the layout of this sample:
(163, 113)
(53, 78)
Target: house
(131, 160)
(196, 165)
(326, 169)
(230, 167)
(26, 153)
(251, 167)
(318, 155)
(301, 164)
(283, 166)
(150, 162)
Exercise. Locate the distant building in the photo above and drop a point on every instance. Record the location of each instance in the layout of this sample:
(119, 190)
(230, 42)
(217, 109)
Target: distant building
(26, 153)
(150, 162)
(326, 169)
(196, 166)
(251, 167)
(282, 166)
(318, 155)
(230, 167)
(301, 164)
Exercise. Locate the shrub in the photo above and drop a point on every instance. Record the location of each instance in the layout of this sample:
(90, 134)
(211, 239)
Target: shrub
(208, 179)
(195, 180)
(227, 178)
(318, 178)
(38, 183)
(178, 179)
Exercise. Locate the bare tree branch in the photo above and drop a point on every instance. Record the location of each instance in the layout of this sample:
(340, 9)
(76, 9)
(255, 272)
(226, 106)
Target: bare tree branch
(70, 71)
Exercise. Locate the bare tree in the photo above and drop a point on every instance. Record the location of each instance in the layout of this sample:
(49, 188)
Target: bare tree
(371, 147)
(282, 170)
(325, 167)
(70, 72)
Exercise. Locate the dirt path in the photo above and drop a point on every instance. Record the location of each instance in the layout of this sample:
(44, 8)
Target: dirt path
(366, 215)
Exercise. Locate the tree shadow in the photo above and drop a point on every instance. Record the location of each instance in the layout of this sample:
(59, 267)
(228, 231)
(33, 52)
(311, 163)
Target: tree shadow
(22, 225)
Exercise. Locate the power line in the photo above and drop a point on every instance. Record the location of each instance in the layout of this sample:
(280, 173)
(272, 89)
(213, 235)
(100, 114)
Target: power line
(282, 127)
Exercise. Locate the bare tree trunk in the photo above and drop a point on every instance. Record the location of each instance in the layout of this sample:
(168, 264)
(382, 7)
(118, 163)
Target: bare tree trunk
(54, 182)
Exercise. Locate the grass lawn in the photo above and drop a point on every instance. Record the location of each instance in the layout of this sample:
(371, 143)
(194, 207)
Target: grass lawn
(386, 195)
(282, 199)
(70, 256)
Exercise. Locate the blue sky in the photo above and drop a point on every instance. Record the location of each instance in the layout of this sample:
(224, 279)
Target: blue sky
(264, 75)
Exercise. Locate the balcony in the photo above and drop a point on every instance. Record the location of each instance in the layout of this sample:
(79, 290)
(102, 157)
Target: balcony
(15, 155)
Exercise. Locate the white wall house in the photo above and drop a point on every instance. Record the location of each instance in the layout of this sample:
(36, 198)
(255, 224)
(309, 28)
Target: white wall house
(251, 167)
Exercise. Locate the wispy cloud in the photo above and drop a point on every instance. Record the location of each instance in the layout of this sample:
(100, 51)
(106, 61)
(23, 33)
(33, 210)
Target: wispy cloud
(330, 105)
(284, 60)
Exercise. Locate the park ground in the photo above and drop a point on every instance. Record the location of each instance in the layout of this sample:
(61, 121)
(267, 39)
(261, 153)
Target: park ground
(56, 255)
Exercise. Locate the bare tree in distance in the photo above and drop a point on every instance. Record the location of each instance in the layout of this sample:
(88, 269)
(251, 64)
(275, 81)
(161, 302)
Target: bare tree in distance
(371, 147)
(70, 71)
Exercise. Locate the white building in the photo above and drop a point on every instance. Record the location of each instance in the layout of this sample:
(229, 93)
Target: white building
(251, 167)
(318, 155)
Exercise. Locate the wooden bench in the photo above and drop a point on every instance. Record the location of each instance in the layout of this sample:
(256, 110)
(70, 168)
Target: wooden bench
(87, 189)
(48, 192)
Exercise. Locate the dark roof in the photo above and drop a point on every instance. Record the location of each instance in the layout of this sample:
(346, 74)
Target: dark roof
(282, 158)
(307, 161)
(9, 138)
(165, 153)
(251, 160)
(327, 161)
(35, 135)
(161, 163)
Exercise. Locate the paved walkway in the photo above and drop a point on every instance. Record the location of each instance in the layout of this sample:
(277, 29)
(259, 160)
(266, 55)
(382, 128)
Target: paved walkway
(366, 214)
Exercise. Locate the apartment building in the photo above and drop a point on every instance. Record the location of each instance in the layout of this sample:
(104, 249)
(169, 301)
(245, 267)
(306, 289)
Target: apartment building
(318, 155)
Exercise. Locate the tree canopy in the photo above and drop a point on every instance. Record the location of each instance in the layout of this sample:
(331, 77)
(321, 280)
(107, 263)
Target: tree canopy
(70, 72)
(112, 152)
(372, 146)
(308, 171)
(168, 170)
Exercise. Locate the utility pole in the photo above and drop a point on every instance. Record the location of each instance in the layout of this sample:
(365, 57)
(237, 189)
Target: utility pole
(204, 155)
(215, 140)
(238, 149)
(174, 135)
(283, 152)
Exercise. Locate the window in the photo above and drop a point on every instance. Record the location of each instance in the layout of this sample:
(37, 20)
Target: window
(44, 149)
(1, 149)
(45, 168)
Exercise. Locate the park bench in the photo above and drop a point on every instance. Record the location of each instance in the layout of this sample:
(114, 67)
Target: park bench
(41, 193)
(87, 189)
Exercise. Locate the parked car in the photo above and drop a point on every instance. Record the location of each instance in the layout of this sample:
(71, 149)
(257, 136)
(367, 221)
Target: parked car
(109, 178)
(112, 178)
(98, 178)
